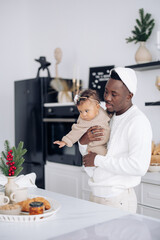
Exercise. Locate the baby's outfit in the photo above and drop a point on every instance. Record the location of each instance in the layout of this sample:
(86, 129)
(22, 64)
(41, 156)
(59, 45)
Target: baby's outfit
(79, 128)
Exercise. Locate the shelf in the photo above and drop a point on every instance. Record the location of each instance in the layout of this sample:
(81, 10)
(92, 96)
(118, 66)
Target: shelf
(152, 103)
(145, 66)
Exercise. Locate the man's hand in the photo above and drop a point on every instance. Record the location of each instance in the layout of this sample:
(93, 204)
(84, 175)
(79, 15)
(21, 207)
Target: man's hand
(92, 134)
(88, 160)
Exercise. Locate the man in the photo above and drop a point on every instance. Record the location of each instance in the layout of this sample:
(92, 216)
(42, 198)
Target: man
(129, 146)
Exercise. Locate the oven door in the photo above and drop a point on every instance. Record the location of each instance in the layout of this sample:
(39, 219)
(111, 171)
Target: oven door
(55, 129)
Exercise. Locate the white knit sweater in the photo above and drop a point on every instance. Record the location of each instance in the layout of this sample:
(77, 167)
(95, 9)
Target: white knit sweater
(128, 156)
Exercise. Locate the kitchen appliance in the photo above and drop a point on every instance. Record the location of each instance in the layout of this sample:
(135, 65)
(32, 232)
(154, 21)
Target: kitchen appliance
(37, 125)
(58, 120)
(29, 98)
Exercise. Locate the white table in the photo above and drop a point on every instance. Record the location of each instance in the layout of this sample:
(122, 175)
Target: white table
(74, 215)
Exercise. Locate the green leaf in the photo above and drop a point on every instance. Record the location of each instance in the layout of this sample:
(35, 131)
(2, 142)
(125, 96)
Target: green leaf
(17, 171)
(3, 167)
(138, 23)
(4, 155)
(143, 29)
(6, 146)
(19, 163)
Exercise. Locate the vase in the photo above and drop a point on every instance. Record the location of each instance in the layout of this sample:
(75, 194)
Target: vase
(142, 54)
(10, 186)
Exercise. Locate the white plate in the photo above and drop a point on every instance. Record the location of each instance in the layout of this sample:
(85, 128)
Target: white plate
(25, 217)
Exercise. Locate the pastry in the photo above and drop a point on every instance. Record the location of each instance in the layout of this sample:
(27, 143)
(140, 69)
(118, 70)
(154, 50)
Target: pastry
(155, 157)
(25, 204)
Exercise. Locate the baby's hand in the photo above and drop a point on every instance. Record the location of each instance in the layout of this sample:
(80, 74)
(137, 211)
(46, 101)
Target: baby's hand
(60, 143)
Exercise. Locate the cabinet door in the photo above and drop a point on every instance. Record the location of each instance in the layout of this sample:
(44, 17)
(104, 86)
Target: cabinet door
(148, 211)
(151, 195)
(64, 179)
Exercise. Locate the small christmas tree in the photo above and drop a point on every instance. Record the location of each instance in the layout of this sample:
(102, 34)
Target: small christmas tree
(11, 159)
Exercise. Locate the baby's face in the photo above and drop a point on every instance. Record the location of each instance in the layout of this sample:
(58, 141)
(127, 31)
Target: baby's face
(88, 110)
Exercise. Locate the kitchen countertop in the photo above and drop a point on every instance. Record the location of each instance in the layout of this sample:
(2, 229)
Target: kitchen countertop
(151, 177)
(76, 218)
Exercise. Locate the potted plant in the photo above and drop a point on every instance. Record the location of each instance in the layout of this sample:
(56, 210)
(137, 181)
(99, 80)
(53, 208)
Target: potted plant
(11, 161)
(141, 33)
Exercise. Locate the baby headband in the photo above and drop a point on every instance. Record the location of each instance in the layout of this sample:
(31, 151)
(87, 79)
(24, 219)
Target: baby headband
(78, 98)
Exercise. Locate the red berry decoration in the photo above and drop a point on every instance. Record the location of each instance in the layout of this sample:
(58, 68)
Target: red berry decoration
(11, 160)
(11, 163)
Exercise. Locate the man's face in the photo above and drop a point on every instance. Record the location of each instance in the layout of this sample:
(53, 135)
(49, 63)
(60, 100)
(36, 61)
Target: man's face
(117, 96)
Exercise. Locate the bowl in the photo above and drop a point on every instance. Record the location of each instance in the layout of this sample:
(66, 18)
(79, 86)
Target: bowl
(10, 209)
(154, 167)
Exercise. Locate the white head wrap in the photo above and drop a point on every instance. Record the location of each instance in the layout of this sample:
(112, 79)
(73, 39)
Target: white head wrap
(128, 77)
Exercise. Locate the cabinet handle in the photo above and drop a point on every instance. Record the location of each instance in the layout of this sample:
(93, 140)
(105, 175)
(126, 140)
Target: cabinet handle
(59, 120)
(154, 196)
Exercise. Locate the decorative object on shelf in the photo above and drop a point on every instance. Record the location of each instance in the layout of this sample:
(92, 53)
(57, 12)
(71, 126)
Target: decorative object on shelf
(158, 82)
(142, 54)
(60, 86)
(64, 88)
(56, 83)
(44, 65)
(76, 81)
(58, 57)
(64, 96)
(141, 33)
(11, 161)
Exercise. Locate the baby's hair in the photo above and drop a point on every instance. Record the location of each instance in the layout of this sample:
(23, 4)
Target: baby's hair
(87, 94)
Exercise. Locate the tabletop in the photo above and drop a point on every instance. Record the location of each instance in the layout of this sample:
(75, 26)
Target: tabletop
(74, 215)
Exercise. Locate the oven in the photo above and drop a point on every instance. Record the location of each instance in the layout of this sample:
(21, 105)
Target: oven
(58, 120)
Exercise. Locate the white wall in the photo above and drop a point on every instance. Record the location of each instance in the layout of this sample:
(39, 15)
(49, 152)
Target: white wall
(89, 32)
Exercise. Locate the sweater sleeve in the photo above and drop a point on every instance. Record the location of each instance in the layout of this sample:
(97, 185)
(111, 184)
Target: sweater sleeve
(136, 160)
(75, 134)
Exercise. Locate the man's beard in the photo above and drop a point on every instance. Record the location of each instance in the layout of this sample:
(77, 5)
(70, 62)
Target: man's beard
(110, 113)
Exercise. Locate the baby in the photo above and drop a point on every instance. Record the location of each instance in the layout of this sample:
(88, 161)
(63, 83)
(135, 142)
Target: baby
(91, 114)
